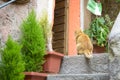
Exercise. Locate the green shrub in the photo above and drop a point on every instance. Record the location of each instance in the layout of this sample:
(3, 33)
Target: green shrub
(11, 64)
(33, 43)
(47, 30)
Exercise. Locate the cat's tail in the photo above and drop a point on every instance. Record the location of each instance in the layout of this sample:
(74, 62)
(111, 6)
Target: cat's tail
(88, 54)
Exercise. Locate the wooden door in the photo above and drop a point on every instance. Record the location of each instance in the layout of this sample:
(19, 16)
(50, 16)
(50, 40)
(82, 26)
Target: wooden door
(60, 27)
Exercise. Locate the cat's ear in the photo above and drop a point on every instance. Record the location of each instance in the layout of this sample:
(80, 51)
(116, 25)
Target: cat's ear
(76, 32)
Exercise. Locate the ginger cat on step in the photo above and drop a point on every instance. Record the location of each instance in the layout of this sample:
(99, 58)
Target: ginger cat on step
(84, 45)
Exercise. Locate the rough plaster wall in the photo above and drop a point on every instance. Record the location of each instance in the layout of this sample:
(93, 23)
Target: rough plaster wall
(12, 16)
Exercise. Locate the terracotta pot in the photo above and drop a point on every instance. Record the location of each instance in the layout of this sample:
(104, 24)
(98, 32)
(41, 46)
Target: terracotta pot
(35, 76)
(53, 62)
(98, 49)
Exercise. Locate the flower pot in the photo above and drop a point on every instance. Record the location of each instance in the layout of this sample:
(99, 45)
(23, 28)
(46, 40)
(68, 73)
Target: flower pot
(53, 62)
(98, 49)
(35, 76)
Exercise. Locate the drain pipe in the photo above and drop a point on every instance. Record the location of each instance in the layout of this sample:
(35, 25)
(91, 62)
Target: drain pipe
(7, 3)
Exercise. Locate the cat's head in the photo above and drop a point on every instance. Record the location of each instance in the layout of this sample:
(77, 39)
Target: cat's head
(78, 32)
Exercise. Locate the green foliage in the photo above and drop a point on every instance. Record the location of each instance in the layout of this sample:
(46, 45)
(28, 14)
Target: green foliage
(33, 43)
(117, 0)
(44, 24)
(11, 64)
(108, 22)
(99, 30)
(47, 28)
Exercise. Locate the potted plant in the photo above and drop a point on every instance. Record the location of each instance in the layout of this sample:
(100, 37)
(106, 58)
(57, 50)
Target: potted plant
(11, 62)
(53, 59)
(34, 47)
(98, 32)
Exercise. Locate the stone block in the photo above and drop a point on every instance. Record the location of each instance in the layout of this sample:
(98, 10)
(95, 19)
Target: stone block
(79, 64)
(102, 76)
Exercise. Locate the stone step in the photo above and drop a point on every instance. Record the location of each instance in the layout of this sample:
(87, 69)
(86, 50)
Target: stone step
(96, 76)
(79, 64)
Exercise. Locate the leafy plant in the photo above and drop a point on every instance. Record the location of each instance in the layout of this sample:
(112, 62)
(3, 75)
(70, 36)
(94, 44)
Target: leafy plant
(99, 30)
(47, 30)
(11, 64)
(33, 43)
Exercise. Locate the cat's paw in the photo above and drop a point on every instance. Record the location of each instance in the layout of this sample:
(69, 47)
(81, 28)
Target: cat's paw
(89, 56)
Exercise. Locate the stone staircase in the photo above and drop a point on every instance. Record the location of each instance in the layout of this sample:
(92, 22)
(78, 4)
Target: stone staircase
(80, 68)
(99, 76)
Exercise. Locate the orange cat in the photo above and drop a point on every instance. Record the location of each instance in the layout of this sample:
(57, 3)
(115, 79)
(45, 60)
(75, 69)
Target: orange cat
(84, 45)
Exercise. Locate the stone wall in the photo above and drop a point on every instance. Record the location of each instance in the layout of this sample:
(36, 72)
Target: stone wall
(111, 7)
(12, 16)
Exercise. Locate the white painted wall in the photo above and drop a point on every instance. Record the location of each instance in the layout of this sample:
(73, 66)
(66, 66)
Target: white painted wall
(51, 6)
(48, 6)
(82, 14)
(42, 5)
